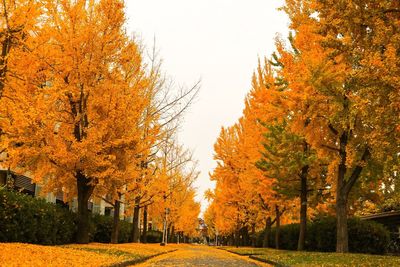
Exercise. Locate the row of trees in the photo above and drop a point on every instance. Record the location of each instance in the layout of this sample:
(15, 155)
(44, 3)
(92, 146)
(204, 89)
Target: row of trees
(84, 113)
(320, 129)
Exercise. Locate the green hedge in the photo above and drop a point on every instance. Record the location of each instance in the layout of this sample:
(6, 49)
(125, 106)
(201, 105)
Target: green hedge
(101, 227)
(26, 219)
(364, 236)
(154, 236)
(33, 220)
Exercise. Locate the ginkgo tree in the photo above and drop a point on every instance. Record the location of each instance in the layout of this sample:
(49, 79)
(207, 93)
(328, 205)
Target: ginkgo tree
(18, 35)
(173, 203)
(74, 123)
(336, 73)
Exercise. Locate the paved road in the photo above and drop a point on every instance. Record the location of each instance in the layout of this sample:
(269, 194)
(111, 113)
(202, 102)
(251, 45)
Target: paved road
(201, 256)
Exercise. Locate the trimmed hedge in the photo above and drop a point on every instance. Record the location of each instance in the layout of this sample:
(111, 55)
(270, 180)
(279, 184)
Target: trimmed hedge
(154, 236)
(364, 236)
(26, 219)
(101, 227)
(33, 220)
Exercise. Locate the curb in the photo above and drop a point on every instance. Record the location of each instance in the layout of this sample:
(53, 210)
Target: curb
(243, 255)
(137, 261)
(253, 257)
(274, 263)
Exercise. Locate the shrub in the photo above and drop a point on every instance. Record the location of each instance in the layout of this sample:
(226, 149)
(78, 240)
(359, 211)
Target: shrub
(101, 226)
(33, 220)
(154, 236)
(368, 237)
(26, 219)
(321, 234)
(364, 236)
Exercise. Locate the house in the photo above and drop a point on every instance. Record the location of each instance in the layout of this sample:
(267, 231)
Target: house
(96, 205)
(25, 185)
(390, 219)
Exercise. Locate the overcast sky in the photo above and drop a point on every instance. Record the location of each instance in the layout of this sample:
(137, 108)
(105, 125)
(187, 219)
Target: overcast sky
(217, 41)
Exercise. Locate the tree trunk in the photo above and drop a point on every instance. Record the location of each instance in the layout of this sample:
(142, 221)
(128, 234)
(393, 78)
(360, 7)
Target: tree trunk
(136, 221)
(115, 227)
(267, 231)
(245, 236)
(237, 238)
(5, 50)
(342, 239)
(85, 190)
(303, 208)
(172, 235)
(277, 228)
(144, 234)
(253, 235)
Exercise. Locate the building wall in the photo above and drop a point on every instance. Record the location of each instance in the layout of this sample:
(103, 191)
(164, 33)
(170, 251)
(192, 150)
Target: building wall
(96, 205)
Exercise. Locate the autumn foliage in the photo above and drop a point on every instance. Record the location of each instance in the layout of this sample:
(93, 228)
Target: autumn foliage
(320, 129)
(82, 110)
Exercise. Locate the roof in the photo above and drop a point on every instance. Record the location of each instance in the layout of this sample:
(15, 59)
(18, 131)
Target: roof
(382, 215)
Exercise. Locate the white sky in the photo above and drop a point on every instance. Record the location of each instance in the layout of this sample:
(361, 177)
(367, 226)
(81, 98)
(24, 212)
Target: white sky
(217, 41)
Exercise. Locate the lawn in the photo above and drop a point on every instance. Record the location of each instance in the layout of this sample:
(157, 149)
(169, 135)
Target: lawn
(295, 258)
(94, 254)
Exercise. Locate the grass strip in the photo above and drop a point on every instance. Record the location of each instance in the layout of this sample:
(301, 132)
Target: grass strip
(307, 258)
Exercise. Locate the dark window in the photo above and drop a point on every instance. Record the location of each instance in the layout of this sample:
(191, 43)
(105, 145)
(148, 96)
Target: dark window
(107, 211)
(62, 203)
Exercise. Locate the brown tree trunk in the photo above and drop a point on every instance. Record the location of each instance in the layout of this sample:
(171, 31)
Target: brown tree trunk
(277, 228)
(237, 238)
(342, 240)
(253, 235)
(172, 234)
(115, 227)
(267, 231)
(303, 208)
(5, 50)
(343, 188)
(144, 234)
(85, 190)
(136, 221)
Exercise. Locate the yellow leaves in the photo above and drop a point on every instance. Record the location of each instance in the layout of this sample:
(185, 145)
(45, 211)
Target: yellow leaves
(86, 111)
(17, 254)
(134, 248)
(94, 254)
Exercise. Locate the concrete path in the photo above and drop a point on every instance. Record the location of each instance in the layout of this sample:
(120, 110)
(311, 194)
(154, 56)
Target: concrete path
(199, 255)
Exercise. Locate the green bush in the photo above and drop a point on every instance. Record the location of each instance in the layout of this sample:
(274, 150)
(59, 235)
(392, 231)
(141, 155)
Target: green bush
(26, 219)
(321, 234)
(364, 236)
(33, 220)
(101, 227)
(368, 237)
(154, 236)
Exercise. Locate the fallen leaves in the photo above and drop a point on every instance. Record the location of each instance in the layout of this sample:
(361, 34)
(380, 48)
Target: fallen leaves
(19, 254)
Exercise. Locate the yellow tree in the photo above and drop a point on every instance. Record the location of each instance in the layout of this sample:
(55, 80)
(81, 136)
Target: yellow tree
(75, 126)
(20, 26)
(339, 78)
(171, 189)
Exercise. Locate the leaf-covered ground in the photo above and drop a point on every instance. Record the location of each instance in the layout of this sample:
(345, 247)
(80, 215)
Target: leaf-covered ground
(94, 254)
(294, 258)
